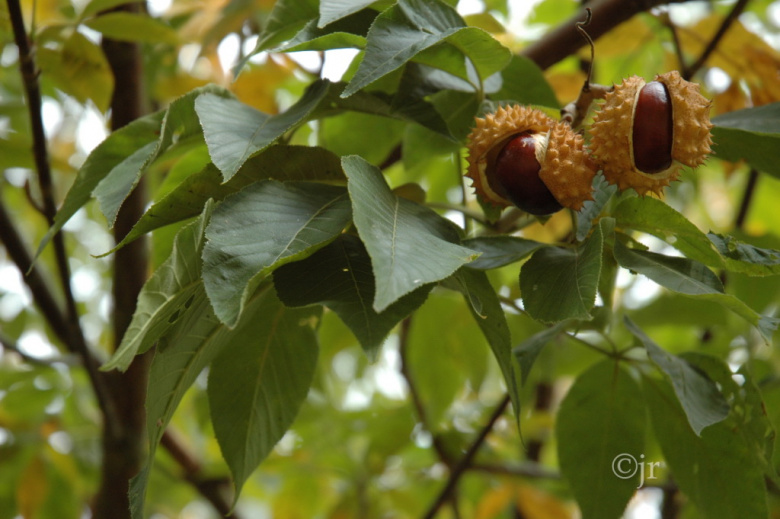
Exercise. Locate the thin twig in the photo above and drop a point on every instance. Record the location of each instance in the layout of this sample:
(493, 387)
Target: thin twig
(747, 198)
(689, 72)
(465, 462)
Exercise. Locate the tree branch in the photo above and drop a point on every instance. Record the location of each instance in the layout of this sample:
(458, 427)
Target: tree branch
(565, 40)
(214, 490)
(689, 72)
(465, 462)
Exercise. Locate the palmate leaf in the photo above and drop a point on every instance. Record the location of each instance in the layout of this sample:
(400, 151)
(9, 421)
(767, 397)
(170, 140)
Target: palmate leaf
(339, 276)
(168, 294)
(718, 470)
(413, 29)
(332, 10)
(280, 162)
(257, 385)
(558, 284)
(262, 227)
(703, 404)
(348, 32)
(409, 244)
(234, 131)
(601, 419)
(287, 18)
(693, 279)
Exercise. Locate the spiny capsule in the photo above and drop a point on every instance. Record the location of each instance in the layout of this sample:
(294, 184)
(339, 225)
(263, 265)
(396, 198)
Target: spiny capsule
(644, 132)
(520, 156)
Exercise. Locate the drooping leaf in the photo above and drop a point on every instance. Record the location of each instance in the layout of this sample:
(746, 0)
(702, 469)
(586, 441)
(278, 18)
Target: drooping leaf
(190, 345)
(752, 134)
(96, 6)
(600, 430)
(659, 219)
(527, 351)
(487, 312)
(558, 283)
(409, 244)
(112, 191)
(125, 26)
(257, 385)
(703, 404)
(498, 251)
(286, 19)
(280, 162)
(262, 227)
(692, 279)
(745, 258)
(339, 276)
(234, 131)
(167, 295)
(108, 155)
(679, 274)
(413, 29)
(716, 470)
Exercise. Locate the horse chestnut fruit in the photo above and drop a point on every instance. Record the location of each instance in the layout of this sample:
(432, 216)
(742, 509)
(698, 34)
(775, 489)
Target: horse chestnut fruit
(519, 156)
(644, 132)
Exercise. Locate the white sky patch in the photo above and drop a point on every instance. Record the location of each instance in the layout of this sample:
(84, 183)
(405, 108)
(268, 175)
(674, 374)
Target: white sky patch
(466, 7)
(34, 344)
(158, 7)
(91, 130)
(51, 111)
(308, 59)
(337, 62)
(227, 50)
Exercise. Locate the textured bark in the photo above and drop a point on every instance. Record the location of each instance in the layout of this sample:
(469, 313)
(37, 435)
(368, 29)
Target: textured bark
(124, 448)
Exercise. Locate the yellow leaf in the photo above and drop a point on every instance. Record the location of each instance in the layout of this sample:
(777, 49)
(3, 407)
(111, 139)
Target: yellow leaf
(32, 489)
(257, 84)
(495, 501)
(535, 503)
(624, 39)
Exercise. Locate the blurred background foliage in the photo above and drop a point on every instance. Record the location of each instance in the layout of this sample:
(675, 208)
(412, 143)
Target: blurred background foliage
(359, 447)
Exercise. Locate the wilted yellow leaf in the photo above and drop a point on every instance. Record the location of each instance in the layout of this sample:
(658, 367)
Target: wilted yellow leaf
(535, 503)
(495, 501)
(257, 84)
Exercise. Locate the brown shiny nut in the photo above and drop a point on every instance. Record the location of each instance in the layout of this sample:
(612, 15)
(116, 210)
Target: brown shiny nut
(635, 144)
(652, 131)
(505, 149)
(516, 172)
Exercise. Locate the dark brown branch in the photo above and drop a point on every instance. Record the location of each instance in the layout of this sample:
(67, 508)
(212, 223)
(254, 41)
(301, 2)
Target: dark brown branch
(566, 40)
(216, 491)
(689, 72)
(467, 459)
(747, 198)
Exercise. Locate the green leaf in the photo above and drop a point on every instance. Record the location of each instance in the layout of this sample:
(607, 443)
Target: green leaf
(659, 219)
(262, 227)
(413, 29)
(498, 251)
(745, 258)
(524, 82)
(527, 351)
(752, 134)
(287, 18)
(96, 6)
(348, 32)
(234, 131)
(280, 162)
(703, 404)
(602, 193)
(110, 154)
(166, 295)
(409, 244)
(257, 385)
(190, 345)
(487, 312)
(339, 276)
(601, 422)
(132, 27)
(692, 279)
(332, 10)
(679, 274)
(558, 283)
(717, 470)
(112, 191)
